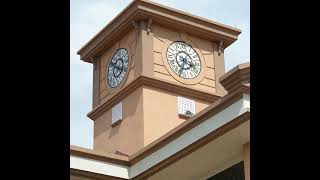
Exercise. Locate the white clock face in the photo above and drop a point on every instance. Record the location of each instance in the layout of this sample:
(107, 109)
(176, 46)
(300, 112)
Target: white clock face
(183, 60)
(118, 67)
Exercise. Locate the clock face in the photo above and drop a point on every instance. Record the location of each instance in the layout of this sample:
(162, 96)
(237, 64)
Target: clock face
(118, 67)
(183, 60)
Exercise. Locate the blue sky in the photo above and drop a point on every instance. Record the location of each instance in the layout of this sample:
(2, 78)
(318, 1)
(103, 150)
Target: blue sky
(87, 17)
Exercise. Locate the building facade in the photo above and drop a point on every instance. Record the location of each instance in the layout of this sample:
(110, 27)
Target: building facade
(163, 107)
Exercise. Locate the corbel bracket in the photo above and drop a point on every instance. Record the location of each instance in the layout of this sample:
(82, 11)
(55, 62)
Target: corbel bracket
(135, 25)
(220, 48)
(149, 25)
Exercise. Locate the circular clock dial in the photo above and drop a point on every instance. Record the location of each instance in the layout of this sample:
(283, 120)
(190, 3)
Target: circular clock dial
(183, 60)
(118, 67)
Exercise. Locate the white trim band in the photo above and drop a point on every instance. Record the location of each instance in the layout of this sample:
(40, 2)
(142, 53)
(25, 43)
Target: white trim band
(99, 167)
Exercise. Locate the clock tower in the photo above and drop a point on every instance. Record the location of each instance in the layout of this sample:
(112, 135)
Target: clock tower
(154, 67)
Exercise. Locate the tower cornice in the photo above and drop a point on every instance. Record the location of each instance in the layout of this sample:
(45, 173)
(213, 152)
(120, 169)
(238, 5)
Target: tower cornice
(144, 10)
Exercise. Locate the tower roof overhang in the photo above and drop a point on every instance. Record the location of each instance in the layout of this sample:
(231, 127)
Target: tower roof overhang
(144, 10)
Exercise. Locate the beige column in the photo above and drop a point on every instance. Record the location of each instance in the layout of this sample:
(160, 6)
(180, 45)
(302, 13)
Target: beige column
(144, 66)
(96, 83)
(246, 160)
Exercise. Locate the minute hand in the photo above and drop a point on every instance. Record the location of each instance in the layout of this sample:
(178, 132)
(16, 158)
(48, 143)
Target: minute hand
(191, 64)
(181, 68)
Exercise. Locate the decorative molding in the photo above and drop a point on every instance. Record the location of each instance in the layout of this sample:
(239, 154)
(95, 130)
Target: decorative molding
(238, 77)
(149, 25)
(220, 48)
(156, 83)
(97, 155)
(142, 9)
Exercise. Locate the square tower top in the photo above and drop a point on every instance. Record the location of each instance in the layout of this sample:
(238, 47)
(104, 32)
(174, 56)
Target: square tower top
(160, 14)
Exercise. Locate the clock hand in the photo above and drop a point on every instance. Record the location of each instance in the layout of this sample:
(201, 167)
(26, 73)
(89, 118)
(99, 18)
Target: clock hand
(118, 72)
(113, 65)
(181, 68)
(115, 68)
(181, 58)
(191, 64)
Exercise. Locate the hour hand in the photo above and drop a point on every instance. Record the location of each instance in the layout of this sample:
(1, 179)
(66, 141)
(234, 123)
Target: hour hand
(181, 68)
(112, 63)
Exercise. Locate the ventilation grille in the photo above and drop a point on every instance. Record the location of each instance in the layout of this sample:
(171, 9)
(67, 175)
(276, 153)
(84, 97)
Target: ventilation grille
(186, 106)
(117, 113)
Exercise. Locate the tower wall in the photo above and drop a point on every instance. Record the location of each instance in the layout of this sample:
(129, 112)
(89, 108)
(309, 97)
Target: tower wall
(160, 113)
(127, 136)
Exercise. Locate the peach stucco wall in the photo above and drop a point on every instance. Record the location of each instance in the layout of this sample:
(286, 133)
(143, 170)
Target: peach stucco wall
(148, 114)
(161, 113)
(126, 137)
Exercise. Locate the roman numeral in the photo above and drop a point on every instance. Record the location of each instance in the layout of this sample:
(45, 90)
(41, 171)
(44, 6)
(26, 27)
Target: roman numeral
(171, 62)
(183, 46)
(175, 68)
(188, 50)
(125, 57)
(171, 50)
(191, 74)
(183, 74)
(120, 53)
(194, 70)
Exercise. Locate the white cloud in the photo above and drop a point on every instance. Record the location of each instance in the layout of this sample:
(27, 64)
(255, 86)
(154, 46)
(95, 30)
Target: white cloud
(87, 17)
